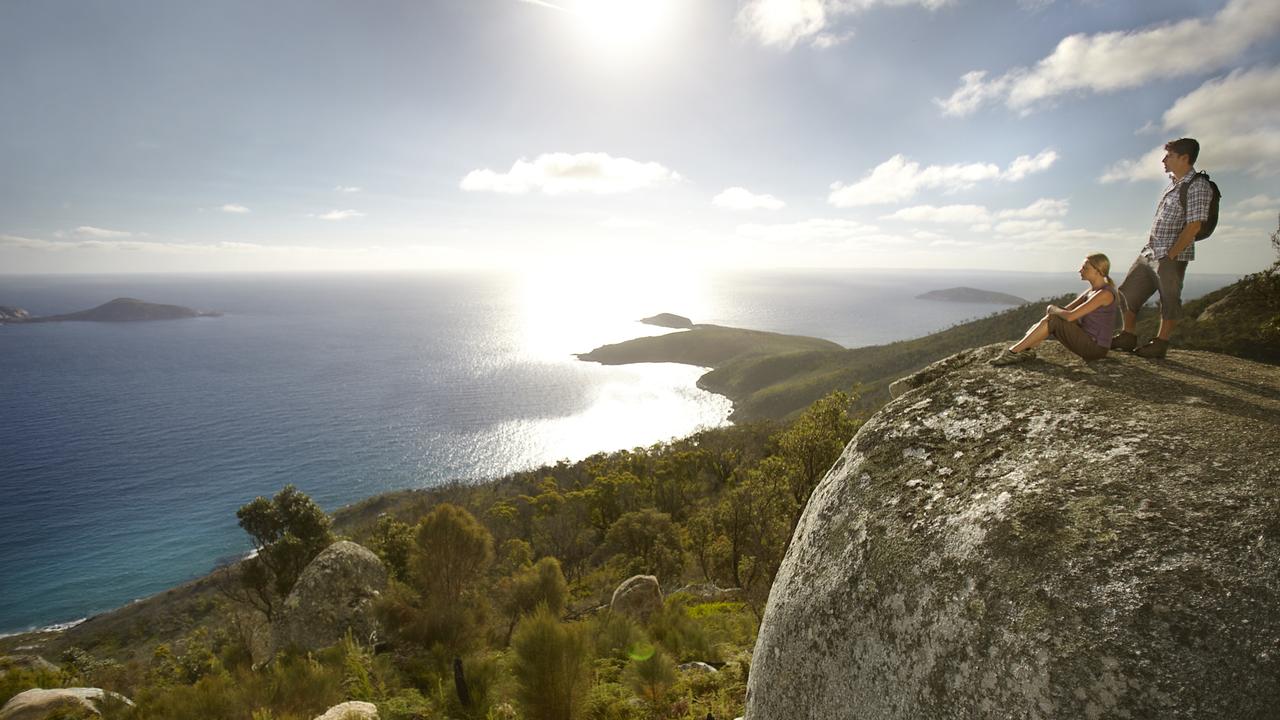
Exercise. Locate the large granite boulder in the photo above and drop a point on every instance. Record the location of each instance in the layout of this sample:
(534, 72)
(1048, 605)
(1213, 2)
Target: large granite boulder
(1053, 539)
(335, 593)
(638, 597)
(40, 704)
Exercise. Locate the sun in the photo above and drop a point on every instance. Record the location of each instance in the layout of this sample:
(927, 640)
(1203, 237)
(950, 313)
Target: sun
(623, 25)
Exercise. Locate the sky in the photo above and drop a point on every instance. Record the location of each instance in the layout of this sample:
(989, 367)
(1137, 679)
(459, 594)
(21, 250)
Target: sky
(625, 135)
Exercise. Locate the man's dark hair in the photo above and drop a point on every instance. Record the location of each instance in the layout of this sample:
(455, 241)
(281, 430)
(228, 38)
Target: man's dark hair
(1184, 146)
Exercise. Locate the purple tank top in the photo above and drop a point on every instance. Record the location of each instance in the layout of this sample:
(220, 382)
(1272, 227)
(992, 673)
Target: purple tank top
(1101, 323)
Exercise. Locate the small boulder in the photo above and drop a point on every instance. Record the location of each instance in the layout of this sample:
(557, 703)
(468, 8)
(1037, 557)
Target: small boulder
(335, 593)
(638, 597)
(697, 667)
(354, 710)
(39, 704)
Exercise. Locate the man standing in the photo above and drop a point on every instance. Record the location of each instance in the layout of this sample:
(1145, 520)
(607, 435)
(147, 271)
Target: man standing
(1162, 264)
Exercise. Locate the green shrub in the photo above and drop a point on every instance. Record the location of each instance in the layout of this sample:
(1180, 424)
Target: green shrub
(615, 635)
(550, 667)
(648, 543)
(680, 634)
(541, 584)
(651, 675)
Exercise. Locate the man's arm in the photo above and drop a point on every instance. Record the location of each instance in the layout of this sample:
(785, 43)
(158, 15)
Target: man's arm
(1185, 238)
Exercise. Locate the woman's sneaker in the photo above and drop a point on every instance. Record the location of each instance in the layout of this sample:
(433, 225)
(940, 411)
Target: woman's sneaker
(1009, 357)
(1125, 341)
(1154, 349)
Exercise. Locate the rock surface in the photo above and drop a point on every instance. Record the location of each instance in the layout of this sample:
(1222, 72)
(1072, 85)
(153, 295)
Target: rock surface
(638, 596)
(39, 704)
(1053, 539)
(354, 710)
(335, 593)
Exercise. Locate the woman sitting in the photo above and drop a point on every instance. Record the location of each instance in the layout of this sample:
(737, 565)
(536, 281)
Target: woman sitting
(1084, 326)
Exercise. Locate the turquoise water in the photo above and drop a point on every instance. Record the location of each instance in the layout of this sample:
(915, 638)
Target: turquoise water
(128, 447)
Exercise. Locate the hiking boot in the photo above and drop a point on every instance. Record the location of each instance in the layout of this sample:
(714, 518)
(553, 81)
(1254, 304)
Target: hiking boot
(1125, 341)
(1009, 357)
(1156, 348)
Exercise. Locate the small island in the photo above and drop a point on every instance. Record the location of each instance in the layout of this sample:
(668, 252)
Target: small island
(971, 295)
(669, 320)
(118, 310)
(705, 346)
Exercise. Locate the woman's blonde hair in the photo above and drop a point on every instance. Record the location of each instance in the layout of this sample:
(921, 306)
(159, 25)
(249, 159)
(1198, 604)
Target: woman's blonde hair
(1102, 264)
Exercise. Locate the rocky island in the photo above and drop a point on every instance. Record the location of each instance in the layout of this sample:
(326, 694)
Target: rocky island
(971, 295)
(118, 310)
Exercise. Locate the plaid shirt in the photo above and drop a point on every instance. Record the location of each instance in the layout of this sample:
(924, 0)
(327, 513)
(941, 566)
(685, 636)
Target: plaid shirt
(1169, 219)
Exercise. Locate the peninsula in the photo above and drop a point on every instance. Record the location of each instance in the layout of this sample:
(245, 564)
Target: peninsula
(118, 310)
(971, 295)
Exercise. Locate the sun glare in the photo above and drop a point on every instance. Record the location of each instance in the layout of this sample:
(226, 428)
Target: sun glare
(623, 25)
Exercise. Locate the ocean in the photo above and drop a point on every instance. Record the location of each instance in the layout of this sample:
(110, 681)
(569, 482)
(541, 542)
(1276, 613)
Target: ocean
(130, 446)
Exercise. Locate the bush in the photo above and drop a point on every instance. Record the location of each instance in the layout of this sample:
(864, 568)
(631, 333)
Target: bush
(542, 584)
(550, 667)
(287, 531)
(651, 675)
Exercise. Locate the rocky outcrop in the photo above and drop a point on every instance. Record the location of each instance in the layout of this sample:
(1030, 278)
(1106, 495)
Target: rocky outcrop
(40, 704)
(335, 593)
(35, 663)
(354, 710)
(1053, 539)
(638, 597)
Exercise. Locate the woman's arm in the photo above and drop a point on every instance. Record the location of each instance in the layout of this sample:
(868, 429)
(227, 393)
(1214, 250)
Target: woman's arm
(1076, 303)
(1100, 299)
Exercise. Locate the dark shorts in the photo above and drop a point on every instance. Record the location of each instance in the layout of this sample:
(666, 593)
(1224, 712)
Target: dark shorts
(1148, 276)
(1074, 338)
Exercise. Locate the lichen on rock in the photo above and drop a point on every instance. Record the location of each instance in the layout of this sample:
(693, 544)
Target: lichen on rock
(335, 594)
(1056, 539)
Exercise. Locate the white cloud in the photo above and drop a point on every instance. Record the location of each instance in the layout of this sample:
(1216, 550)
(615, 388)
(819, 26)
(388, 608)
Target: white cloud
(102, 233)
(822, 230)
(1259, 202)
(1025, 165)
(1111, 61)
(1235, 118)
(340, 215)
(947, 214)
(234, 209)
(618, 223)
(898, 179)
(1147, 167)
(784, 23)
(347, 189)
(739, 198)
(1025, 227)
(1042, 208)
(563, 173)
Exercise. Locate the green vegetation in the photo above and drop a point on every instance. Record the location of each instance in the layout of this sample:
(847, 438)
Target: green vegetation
(497, 603)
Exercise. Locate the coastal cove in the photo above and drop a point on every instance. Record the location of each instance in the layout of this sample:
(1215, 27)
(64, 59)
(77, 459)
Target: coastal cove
(140, 440)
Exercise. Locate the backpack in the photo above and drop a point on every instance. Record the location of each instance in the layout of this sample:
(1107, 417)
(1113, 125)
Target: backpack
(1215, 198)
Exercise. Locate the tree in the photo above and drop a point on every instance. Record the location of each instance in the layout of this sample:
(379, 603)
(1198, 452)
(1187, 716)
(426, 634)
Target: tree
(392, 540)
(648, 542)
(814, 442)
(287, 532)
(453, 551)
(550, 665)
(1275, 241)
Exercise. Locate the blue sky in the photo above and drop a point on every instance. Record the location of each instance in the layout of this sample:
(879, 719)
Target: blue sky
(273, 136)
